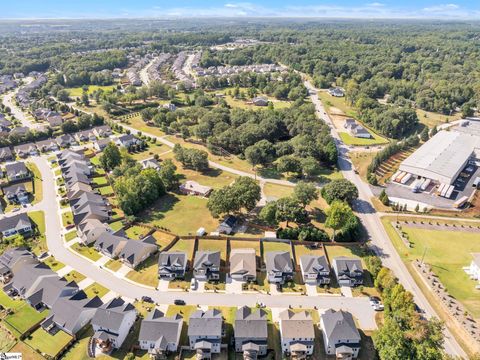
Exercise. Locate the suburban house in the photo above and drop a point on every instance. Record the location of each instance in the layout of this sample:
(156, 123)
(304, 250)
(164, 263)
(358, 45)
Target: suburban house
(127, 140)
(76, 190)
(340, 335)
(85, 135)
(17, 171)
(101, 144)
(112, 323)
(47, 145)
(191, 187)
(474, 269)
(337, 92)
(297, 334)
(65, 140)
(251, 332)
(349, 271)
(20, 131)
(355, 129)
(172, 265)
(90, 230)
(137, 251)
(12, 260)
(315, 269)
(228, 225)
(6, 154)
(102, 131)
(160, 335)
(16, 194)
(150, 163)
(16, 224)
(260, 101)
(4, 124)
(91, 211)
(110, 244)
(54, 119)
(205, 330)
(206, 265)
(25, 150)
(279, 267)
(71, 314)
(243, 264)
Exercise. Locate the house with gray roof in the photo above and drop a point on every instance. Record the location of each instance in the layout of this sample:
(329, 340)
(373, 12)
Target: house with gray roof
(101, 144)
(206, 265)
(279, 267)
(16, 194)
(85, 135)
(65, 140)
(340, 334)
(71, 314)
(349, 271)
(110, 244)
(76, 190)
(251, 332)
(91, 211)
(47, 145)
(315, 269)
(16, 224)
(127, 140)
(102, 131)
(172, 265)
(6, 154)
(17, 171)
(150, 163)
(243, 264)
(90, 230)
(297, 334)
(137, 251)
(112, 323)
(205, 330)
(12, 260)
(160, 335)
(25, 150)
(20, 131)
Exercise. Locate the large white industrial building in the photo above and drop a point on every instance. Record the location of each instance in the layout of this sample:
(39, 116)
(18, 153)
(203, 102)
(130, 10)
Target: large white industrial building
(445, 155)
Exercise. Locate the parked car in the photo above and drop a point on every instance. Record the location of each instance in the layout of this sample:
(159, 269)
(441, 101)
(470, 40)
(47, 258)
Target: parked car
(179, 302)
(147, 299)
(376, 303)
(193, 284)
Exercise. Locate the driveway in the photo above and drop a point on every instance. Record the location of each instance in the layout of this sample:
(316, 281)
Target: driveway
(311, 290)
(233, 286)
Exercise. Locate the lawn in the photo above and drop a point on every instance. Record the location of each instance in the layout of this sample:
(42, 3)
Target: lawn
(9, 303)
(277, 191)
(238, 244)
(447, 264)
(100, 181)
(212, 177)
(27, 352)
(37, 183)
(185, 311)
(67, 218)
(38, 218)
(432, 119)
(351, 140)
(154, 149)
(105, 190)
(46, 343)
(113, 265)
(304, 250)
(275, 246)
(137, 123)
(361, 160)
(24, 318)
(6, 340)
(70, 235)
(214, 245)
(86, 251)
(54, 264)
(78, 91)
(184, 245)
(117, 225)
(146, 273)
(74, 275)
(136, 232)
(180, 214)
(163, 239)
(96, 290)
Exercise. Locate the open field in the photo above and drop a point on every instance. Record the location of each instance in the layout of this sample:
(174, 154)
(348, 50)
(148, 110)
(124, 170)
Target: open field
(184, 245)
(214, 178)
(146, 273)
(356, 141)
(180, 214)
(447, 264)
(361, 160)
(432, 119)
(86, 251)
(78, 91)
(277, 191)
(46, 343)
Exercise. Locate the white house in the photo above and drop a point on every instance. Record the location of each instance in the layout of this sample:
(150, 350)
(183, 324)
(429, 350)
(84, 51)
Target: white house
(297, 334)
(340, 335)
(474, 269)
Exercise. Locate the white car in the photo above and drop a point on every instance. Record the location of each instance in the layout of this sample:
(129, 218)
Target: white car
(193, 284)
(376, 303)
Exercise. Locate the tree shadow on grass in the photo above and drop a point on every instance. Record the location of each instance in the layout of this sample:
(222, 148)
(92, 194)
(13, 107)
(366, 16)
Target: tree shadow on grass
(160, 207)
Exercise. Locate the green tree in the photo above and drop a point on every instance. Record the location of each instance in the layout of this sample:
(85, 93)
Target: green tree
(384, 198)
(305, 193)
(168, 175)
(338, 215)
(424, 134)
(289, 164)
(261, 153)
(85, 99)
(110, 157)
(341, 190)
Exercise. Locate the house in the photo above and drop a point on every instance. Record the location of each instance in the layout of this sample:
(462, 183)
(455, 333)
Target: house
(297, 334)
(77, 189)
(54, 119)
(102, 131)
(474, 269)
(20, 131)
(206, 265)
(160, 335)
(243, 264)
(16, 224)
(6, 154)
(137, 251)
(90, 230)
(251, 332)
(191, 187)
(26, 150)
(111, 324)
(356, 130)
(4, 124)
(336, 92)
(71, 178)
(315, 269)
(349, 271)
(101, 144)
(110, 244)
(12, 260)
(89, 198)
(47, 145)
(17, 171)
(71, 314)
(228, 225)
(340, 335)
(65, 140)
(16, 194)
(169, 107)
(205, 330)
(127, 140)
(150, 163)
(86, 135)
(260, 101)
(91, 211)
(279, 267)
(172, 265)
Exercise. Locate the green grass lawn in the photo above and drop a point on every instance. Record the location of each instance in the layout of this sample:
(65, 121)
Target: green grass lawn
(113, 265)
(100, 180)
(432, 119)
(351, 140)
(213, 245)
(86, 251)
(181, 214)
(9, 303)
(74, 275)
(277, 191)
(146, 273)
(38, 218)
(105, 190)
(24, 318)
(7, 341)
(117, 225)
(37, 183)
(46, 343)
(184, 245)
(96, 290)
(162, 239)
(67, 218)
(447, 252)
(78, 91)
(54, 264)
(136, 232)
(275, 246)
(70, 235)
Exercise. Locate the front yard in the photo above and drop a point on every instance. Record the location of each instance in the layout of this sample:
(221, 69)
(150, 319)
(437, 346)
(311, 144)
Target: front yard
(86, 251)
(146, 273)
(96, 290)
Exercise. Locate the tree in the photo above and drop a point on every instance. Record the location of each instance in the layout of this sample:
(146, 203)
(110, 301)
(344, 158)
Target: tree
(85, 99)
(434, 131)
(260, 153)
(195, 159)
(305, 193)
(63, 95)
(289, 164)
(467, 110)
(338, 215)
(390, 341)
(341, 190)
(269, 213)
(168, 175)
(69, 127)
(310, 166)
(424, 134)
(384, 198)
(110, 157)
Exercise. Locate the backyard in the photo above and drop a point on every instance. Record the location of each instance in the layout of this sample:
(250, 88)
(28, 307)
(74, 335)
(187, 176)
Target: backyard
(47, 343)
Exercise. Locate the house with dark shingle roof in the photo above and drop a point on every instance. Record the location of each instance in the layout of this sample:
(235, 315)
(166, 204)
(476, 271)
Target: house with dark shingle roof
(17, 171)
(297, 334)
(160, 335)
(16, 194)
(172, 265)
(112, 323)
(349, 271)
(279, 267)
(205, 330)
(251, 332)
(243, 264)
(12, 260)
(206, 265)
(340, 334)
(315, 269)
(65, 140)
(16, 224)
(137, 251)
(6, 154)
(47, 145)
(102, 131)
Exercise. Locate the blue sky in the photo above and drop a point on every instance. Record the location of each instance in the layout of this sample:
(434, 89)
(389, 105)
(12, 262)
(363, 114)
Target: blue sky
(458, 9)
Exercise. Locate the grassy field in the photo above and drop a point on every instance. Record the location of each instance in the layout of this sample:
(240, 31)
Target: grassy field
(78, 91)
(432, 119)
(212, 177)
(96, 290)
(100, 181)
(446, 264)
(46, 343)
(75, 276)
(9, 303)
(23, 318)
(361, 160)
(351, 140)
(105, 190)
(86, 251)
(136, 232)
(117, 225)
(277, 191)
(71, 235)
(181, 214)
(53, 263)
(146, 273)
(275, 246)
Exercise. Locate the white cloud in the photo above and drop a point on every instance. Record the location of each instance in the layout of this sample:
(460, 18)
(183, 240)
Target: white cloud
(442, 8)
